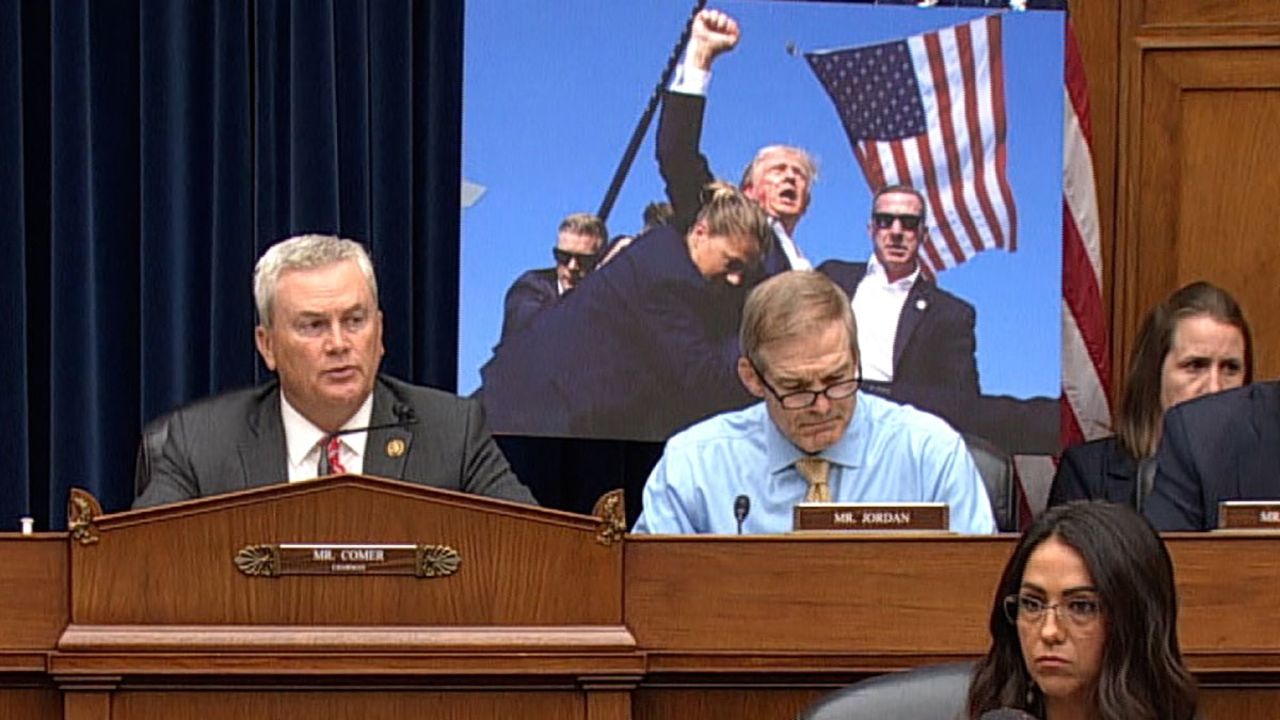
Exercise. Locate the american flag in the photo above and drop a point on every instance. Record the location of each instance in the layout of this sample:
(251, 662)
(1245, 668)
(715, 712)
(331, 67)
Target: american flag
(886, 95)
(928, 111)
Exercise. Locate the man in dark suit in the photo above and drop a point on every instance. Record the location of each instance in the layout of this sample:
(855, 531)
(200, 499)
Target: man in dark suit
(917, 340)
(779, 178)
(321, 332)
(1217, 447)
(646, 345)
(579, 240)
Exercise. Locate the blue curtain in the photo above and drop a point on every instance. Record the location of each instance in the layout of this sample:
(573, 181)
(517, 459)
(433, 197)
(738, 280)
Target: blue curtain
(149, 151)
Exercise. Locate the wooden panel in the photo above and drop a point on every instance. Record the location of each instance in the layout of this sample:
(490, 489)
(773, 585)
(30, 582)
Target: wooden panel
(33, 591)
(840, 595)
(721, 704)
(1226, 232)
(30, 703)
(822, 606)
(174, 565)
(737, 703)
(1209, 12)
(1239, 702)
(1212, 603)
(1201, 196)
(224, 704)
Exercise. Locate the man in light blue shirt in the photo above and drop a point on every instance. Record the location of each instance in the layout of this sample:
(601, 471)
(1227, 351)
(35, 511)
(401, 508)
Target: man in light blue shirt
(799, 356)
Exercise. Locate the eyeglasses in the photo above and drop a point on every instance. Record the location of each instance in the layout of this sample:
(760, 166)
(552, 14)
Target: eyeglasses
(884, 220)
(586, 261)
(1079, 612)
(801, 399)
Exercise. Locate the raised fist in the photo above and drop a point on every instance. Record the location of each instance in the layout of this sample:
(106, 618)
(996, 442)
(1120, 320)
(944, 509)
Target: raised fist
(713, 33)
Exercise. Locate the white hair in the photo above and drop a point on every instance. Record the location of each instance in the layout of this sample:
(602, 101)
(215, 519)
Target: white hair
(304, 252)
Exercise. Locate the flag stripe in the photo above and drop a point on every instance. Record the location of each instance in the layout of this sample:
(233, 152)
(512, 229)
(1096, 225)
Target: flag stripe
(968, 65)
(942, 87)
(1083, 297)
(1086, 370)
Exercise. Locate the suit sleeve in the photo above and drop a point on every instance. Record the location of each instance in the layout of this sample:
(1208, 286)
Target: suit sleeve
(683, 167)
(703, 364)
(173, 477)
(1069, 481)
(522, 303)
(1177, 497)
(485, 470)
(961, 353)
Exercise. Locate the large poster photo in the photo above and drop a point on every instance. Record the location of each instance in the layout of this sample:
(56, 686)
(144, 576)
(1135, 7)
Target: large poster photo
(607, 251)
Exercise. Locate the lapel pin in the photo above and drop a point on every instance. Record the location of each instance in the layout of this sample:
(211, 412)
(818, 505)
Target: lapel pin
(921, 304)
(395, 447)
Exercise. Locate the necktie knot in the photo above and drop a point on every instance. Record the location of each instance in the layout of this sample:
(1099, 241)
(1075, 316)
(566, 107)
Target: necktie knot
(815, 470)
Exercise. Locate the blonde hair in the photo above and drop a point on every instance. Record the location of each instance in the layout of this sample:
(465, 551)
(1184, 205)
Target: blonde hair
(726, 211)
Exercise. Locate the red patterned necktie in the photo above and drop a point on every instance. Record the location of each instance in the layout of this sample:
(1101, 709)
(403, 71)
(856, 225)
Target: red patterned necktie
(335, 456)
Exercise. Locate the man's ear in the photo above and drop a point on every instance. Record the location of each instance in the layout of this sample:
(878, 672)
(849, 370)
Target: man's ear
(262, 339)
(750, 380)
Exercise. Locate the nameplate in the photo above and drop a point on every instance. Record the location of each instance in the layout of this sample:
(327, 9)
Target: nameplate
(421, 561)
(897, 517)
(1249, 515)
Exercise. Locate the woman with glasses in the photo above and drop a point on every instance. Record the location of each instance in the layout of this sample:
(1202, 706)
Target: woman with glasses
(1084, 623)
(1195, 342)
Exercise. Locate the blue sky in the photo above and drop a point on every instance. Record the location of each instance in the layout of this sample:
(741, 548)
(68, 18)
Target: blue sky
(552, 92)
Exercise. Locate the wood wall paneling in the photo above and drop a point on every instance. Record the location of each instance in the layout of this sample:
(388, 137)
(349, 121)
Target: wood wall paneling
(375, 705)
(1204, 192)
(30, 703)
(1208, 12)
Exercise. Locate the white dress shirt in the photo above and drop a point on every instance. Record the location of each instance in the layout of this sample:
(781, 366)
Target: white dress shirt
(302, 440)
(877, 304)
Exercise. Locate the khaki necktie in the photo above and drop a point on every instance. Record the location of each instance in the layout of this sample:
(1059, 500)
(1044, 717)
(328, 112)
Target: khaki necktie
(814, 470)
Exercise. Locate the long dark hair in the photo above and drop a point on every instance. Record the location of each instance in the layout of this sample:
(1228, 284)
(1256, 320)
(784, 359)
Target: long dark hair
(1139, 415)
(1142, 675)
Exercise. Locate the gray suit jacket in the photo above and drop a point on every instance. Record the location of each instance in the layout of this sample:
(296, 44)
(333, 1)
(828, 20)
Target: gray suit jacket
(235, 441)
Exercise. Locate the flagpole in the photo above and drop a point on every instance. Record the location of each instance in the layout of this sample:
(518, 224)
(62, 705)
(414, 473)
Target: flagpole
(642, 127)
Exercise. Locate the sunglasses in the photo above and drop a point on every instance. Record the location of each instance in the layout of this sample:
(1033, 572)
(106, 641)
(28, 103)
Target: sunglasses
(586, 261)
(884, 220)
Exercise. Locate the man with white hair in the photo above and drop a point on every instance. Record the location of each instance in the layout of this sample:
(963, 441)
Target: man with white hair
(320, 331)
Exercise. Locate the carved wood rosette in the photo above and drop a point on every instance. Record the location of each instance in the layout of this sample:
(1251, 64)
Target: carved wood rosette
(82, 511)
(611, 509)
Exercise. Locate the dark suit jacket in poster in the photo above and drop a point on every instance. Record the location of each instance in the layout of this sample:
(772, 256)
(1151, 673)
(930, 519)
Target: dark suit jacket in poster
(531, 293)
(236, 441)
(1097, 470)
(685, 170)
(934, 367)
(1217, 447)
(643, 346)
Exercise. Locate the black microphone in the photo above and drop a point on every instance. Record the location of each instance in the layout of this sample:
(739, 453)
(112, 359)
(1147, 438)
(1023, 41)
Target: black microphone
(1006, 714)
(405, 416)
(741, 506)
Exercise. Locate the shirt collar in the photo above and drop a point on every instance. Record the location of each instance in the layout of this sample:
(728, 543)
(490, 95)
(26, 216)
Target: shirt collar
(877, 273)
(301, 436)
(849, 451)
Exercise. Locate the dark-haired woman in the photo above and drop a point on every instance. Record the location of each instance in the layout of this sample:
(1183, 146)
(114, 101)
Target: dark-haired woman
(1195, 342)
(1084, 623)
